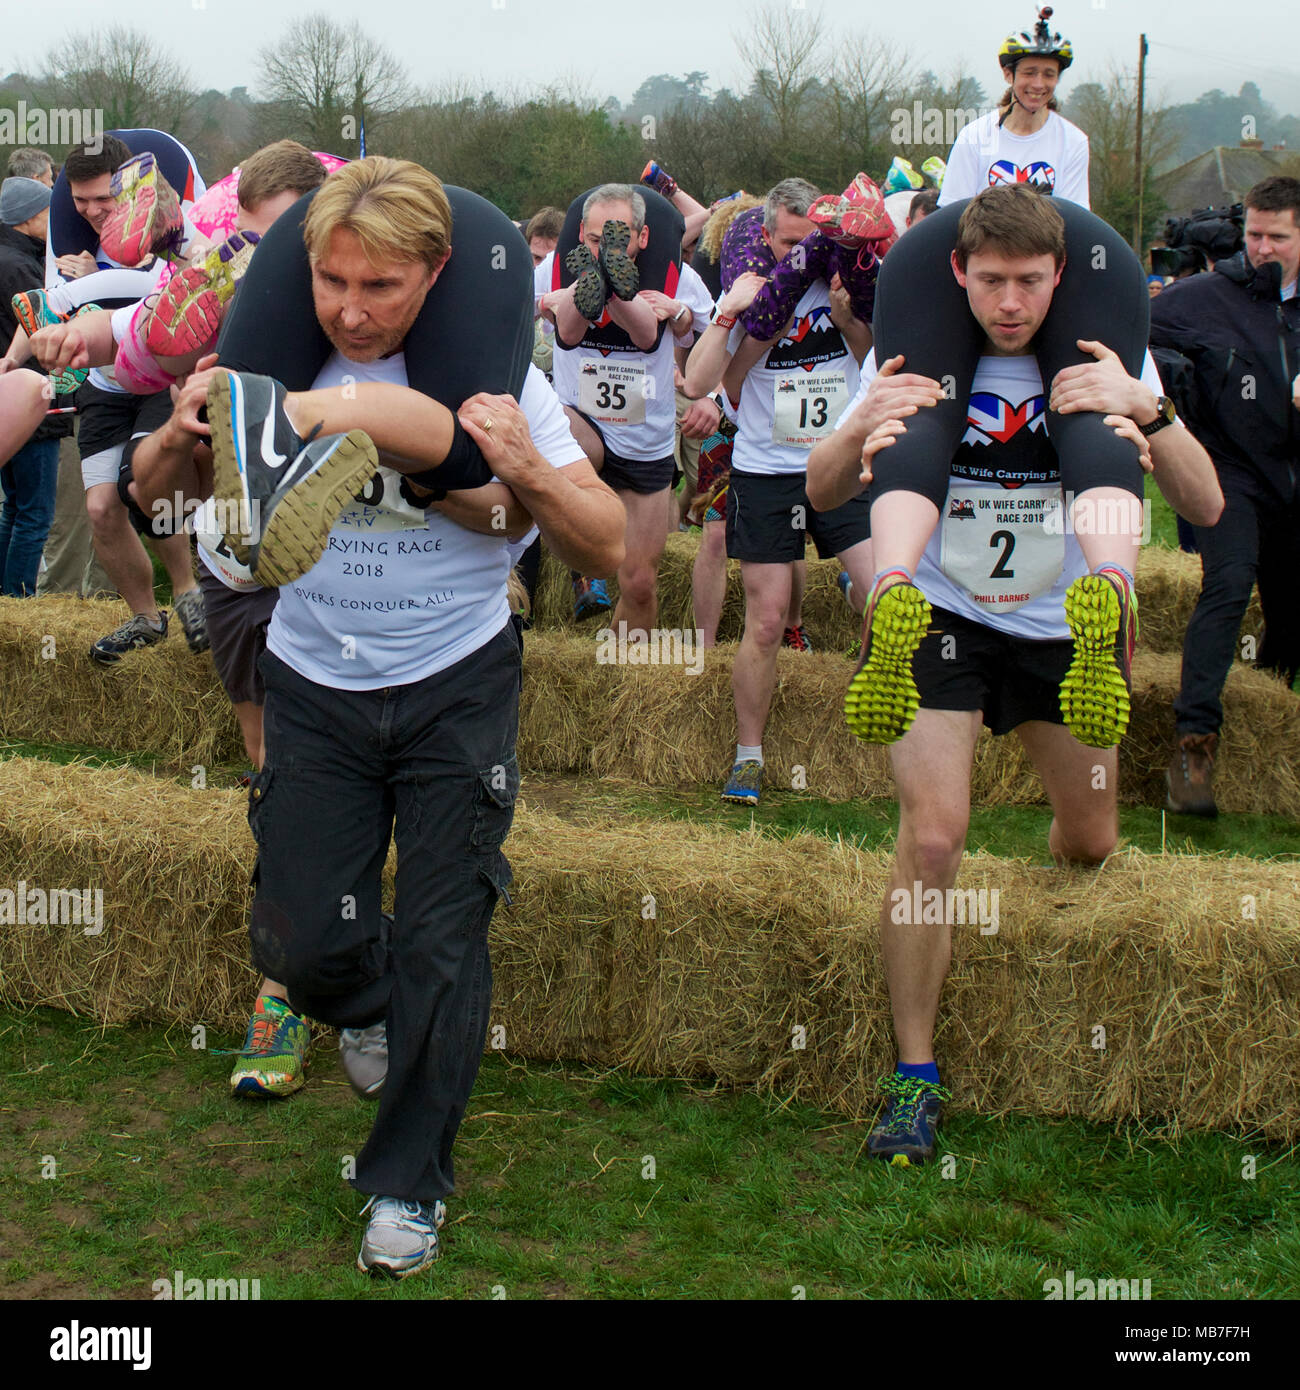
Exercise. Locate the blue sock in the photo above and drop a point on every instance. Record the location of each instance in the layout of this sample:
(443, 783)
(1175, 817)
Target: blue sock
(927, 1071)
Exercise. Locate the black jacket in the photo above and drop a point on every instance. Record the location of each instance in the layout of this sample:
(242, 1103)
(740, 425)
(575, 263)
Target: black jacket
(1244, 345)
(22, 267)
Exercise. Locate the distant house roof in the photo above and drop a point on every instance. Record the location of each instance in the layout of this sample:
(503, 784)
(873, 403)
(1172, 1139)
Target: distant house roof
(1222, 175)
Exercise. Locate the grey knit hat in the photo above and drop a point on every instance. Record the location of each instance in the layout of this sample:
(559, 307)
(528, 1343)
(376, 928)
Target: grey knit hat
(21, 199)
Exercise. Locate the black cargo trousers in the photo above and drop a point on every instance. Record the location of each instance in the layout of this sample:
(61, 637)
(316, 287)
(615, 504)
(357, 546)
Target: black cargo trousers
(438, 758)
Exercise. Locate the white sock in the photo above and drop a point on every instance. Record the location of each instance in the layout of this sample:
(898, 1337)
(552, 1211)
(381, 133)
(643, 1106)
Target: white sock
(744, 753)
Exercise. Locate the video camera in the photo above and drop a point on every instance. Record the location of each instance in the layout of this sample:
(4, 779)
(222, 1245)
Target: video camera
(1208, 234)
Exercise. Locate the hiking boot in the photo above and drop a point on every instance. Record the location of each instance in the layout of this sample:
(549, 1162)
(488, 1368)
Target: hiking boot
(1101, 610)
(280, 495)
(589, 288)
(796, 639)
(882, 699)
(745, 783)
(147, 220)
(1190, 778)
(137, 631)
(364, 1055)
(905, 1134)
(402, 1237)
(663, 182)
(275, 1051)
(190, 308)
(590, 597)
(618, 268)
(188, 607)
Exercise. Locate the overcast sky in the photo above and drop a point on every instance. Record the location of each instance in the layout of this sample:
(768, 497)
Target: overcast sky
(506, 44)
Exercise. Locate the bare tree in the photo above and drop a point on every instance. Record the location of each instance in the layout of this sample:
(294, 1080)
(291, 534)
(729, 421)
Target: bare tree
(784, 50)
(328, 78)
(122, 72)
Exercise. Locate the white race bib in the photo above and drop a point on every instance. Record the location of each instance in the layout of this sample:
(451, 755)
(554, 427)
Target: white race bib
(613, 392)
(806, 406)
(210, 536)
(1004, 547)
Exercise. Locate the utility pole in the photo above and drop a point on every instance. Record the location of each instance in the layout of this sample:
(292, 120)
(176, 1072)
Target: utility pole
(1137, 156)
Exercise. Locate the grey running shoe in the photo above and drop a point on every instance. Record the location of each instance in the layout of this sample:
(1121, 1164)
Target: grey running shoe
(279, 495)
(136, 632)
(402, 1237)
(364, 1054)
(188, 607)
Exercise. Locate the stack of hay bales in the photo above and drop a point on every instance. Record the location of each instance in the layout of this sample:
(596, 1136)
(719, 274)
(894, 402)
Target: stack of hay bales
(689, 951)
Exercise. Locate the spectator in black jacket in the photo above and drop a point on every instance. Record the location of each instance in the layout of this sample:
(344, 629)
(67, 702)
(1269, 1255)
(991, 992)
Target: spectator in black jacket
(1239, 326)
(30, 475)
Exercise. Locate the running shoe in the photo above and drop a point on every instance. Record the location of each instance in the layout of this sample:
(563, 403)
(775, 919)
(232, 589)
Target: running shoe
(33, 312)
(146, 220)
(285, 493)
(275, 1051)
(901, 177)
(590, 597)
(190, 308)
(663, 182)
(364, 1055)
(1190, 778)
(188, 607)
(796, 639)
(136, 632)
(745, 783)
(855, 216)
(589, 288)
(905, 1134)
(402, 1237)
(1101, 610)
(882, 698)
(934, 169)
(618, 268)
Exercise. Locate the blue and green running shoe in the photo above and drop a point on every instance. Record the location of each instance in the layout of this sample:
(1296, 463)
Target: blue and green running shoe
(745, 783)
(275, 1051)
(905, 1134)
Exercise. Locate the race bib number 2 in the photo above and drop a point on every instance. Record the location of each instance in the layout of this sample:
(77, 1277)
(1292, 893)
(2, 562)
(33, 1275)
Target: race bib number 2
(613, 392)
(806, 407)
(1004, 547)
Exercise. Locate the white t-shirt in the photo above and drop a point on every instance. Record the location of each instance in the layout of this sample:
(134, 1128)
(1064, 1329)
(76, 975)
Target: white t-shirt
(1000, 554)
(796, 392)
(985, 154)
(627, 392)
(400, 593)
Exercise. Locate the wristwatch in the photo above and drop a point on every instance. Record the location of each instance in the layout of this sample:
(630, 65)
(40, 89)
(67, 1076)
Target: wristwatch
(1165, 415)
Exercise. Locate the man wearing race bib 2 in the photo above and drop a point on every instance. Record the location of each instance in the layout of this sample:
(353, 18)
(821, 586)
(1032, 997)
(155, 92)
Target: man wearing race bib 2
(996, 571)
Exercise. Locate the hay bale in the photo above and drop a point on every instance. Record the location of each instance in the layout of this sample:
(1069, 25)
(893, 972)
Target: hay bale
(1168, 583)
(684, 950)
(655, 725)
(165, 700)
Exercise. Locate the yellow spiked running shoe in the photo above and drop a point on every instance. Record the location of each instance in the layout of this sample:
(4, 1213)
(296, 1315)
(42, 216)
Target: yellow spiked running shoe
(882, 698)
(1101, 610)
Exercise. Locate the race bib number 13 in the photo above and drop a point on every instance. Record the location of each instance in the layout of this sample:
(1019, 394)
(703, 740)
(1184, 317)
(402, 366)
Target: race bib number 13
(612, 392)
(806, 407)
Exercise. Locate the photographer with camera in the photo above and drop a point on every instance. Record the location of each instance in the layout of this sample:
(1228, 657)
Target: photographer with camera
(1239, 329)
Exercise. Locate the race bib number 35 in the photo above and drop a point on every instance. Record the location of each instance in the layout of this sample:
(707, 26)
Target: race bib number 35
(613, 392)
(1004, 547)
(806, 407)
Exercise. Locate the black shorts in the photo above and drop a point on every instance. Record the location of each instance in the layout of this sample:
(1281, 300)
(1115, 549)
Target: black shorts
(152, 414)
(964, 665)
(769, 520)
(631, 475)
(107, 418)
(237, 624)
